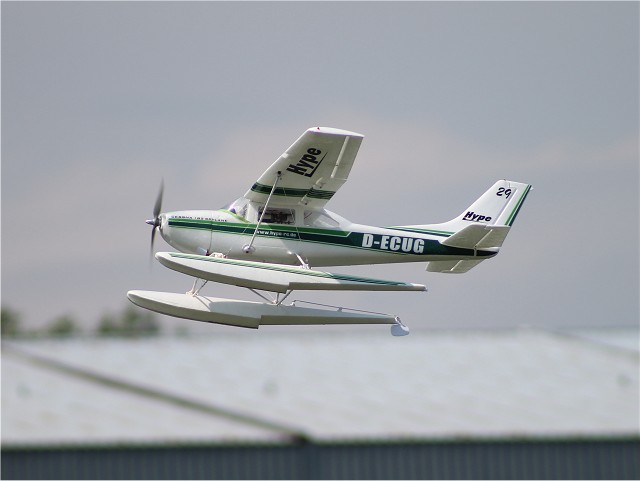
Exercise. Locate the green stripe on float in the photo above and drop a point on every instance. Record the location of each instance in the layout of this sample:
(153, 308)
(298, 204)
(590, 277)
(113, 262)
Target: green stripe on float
(280, 268)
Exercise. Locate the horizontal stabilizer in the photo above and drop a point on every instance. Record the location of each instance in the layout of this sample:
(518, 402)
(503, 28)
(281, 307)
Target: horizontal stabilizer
(478, 236)
(452, 267)
(252, 314)
(274, 277)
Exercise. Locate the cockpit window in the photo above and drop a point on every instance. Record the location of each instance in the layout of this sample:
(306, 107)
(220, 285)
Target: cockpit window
(275, 215)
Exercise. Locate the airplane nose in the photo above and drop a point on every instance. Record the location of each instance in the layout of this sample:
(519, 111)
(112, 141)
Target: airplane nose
(156, 224)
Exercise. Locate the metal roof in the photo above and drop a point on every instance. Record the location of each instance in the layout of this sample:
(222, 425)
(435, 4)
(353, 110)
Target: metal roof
(327, 385)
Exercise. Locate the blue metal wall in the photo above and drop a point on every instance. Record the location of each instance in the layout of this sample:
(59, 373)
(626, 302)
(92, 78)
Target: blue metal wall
(567, 459)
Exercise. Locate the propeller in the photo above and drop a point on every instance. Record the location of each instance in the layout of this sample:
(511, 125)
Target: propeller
(156, 222)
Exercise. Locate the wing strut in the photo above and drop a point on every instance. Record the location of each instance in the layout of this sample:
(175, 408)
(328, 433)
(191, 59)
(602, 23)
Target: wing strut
(248, 249)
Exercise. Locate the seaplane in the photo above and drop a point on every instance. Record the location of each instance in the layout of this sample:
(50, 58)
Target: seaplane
(276, 236)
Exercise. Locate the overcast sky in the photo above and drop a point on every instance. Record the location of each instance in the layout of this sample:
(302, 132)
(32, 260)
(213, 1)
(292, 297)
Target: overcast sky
(102, 100)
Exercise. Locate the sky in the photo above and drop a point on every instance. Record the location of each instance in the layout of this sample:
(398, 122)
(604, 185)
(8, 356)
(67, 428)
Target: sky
(100, 101)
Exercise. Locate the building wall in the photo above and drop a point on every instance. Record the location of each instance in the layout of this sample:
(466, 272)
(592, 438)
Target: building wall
(549, 459)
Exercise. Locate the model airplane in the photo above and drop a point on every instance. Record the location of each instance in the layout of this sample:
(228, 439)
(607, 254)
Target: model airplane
(275, 235)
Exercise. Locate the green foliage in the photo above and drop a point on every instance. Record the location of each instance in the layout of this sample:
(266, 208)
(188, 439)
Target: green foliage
(63, 326)
(10, 322)
(108, 325)
(132, 322)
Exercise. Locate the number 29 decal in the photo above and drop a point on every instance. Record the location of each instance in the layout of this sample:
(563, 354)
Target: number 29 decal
(502, 191)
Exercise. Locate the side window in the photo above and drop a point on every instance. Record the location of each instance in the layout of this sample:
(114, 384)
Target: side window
(275, 215)
(319, 219)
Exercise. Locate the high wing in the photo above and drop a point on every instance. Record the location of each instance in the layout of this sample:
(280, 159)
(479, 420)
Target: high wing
(311, 170)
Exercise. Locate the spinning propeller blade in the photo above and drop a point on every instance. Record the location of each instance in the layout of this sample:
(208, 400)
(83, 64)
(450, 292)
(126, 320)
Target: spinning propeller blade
(158, 205)
(155, 221)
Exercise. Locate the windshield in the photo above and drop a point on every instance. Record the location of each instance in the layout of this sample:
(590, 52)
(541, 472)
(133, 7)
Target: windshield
(238, 207)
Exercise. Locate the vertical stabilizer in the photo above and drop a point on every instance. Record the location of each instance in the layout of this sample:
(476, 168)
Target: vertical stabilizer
(498, 206)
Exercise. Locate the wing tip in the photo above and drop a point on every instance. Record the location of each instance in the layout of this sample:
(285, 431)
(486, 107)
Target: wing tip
(334, 131)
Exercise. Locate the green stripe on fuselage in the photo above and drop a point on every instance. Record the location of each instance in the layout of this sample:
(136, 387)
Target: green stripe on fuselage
(236, 216)
(234, 228)
(387, 243)
(417, 230)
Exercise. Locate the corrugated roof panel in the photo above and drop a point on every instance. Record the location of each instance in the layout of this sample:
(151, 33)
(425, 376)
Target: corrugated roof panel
(368, 384)
(44, 406)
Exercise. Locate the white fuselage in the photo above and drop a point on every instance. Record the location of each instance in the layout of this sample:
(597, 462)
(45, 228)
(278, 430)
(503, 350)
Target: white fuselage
(324, 239)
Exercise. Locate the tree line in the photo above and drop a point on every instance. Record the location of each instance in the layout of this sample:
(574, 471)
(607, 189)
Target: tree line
(129, 322)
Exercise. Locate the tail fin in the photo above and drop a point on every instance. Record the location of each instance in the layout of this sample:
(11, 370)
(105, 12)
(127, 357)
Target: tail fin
(484, 225)
(498, 206)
